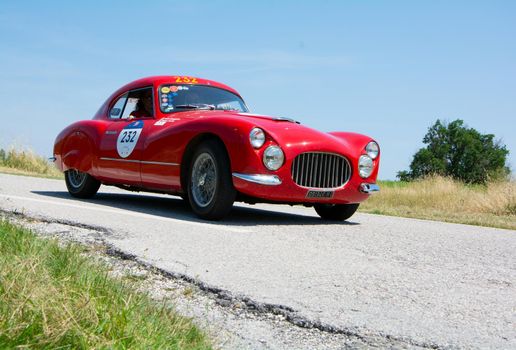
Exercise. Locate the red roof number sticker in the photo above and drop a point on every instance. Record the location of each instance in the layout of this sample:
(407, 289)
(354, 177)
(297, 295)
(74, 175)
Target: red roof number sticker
(186, 80)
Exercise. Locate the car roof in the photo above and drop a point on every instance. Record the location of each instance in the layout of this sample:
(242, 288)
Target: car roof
(174, 79)
(157, 81)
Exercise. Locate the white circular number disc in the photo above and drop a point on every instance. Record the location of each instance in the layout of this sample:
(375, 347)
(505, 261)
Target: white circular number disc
(128, 138)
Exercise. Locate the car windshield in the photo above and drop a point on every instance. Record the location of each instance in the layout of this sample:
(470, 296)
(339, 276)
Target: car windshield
(176, 98)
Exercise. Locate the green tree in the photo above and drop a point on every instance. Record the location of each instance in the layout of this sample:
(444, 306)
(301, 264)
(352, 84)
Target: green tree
(453, 149)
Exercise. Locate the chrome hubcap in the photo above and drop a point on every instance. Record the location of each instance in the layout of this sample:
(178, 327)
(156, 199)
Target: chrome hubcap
(76, 178)
(204, 179)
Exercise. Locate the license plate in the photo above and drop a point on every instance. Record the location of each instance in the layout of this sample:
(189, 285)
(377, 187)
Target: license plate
(319, 194)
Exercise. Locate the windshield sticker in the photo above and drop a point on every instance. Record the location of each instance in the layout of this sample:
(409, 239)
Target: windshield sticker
(173, 88)
(163, 121)
(128, 138)
(165, 89)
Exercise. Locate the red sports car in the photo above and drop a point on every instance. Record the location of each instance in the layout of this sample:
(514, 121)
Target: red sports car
(195, 138)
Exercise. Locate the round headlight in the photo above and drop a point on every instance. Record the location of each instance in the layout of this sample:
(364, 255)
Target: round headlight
(257, 137)
(372, 149)
(365, 166)
(273, 157)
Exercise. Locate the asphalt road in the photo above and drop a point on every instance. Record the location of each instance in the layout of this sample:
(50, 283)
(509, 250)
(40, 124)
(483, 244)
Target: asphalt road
(432, 284)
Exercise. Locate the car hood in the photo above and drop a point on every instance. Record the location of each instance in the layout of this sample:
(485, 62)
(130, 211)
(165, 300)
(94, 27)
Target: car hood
(290, 134)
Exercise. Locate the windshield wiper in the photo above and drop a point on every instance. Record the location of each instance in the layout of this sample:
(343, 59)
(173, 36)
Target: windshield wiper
(196, 106)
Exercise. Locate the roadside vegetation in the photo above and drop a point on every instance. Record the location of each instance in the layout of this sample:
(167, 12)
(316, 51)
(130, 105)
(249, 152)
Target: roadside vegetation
(52, 296)
(461, 176)
(21, 161)
(460, 152)
(444, 199)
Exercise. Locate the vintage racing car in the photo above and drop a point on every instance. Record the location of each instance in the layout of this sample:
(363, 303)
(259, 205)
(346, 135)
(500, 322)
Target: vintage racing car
(195, 138)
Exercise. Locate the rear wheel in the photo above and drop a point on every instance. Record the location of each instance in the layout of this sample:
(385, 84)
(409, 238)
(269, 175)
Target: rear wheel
(336, 212)
(210, 189)
(81, 185)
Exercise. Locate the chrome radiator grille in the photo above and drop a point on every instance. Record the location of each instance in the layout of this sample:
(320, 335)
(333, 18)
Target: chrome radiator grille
(320, 170)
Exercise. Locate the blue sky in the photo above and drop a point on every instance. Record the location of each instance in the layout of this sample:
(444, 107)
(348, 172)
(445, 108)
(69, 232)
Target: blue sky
(387, 69)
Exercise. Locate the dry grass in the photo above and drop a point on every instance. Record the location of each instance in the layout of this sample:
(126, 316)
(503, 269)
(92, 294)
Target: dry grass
(21, 161)
(53, 297)
(444, 199)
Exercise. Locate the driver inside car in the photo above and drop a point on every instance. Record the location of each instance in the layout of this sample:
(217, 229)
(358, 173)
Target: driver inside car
(143, 107)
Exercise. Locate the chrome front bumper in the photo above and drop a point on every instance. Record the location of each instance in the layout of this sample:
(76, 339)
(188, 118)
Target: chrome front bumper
(369, 188)
(273, 180)
(268, 180)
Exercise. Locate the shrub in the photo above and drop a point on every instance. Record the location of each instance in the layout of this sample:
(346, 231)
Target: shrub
(460, 152)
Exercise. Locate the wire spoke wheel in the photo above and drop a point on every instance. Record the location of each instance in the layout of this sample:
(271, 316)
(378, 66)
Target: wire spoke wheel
(81, 184)
(76, 178)
(204, 180)
(210, 188)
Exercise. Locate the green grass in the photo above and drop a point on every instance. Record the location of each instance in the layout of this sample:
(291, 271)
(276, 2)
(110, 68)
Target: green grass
(21, 161)
(53, 297)
(445, 199)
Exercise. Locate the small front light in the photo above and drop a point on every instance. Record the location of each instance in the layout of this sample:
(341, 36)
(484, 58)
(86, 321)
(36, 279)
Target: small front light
(365, 166)
(372, 149)
(257, 137)
(273, 158)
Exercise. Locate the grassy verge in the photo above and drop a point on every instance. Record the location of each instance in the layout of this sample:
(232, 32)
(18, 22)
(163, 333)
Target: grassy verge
(443, 199)
(25, 162)
(53, 297)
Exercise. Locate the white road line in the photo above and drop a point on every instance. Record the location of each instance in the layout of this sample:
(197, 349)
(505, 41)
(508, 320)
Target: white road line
(128, 213)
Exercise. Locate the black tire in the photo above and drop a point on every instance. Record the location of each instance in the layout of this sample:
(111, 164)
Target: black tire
(185, 199)
(210, 188)
(336, 212)
(81, 185)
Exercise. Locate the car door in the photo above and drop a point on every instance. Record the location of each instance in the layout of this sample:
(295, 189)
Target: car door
(121, 147)
(160, 167)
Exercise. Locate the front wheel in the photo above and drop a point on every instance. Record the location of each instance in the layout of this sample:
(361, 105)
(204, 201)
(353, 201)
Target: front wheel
(210, 189)
(81, 185)
(336, 212)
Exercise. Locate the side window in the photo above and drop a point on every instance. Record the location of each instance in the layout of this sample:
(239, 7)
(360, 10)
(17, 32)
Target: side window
(139, 104)
(118, 107)
(130, 107)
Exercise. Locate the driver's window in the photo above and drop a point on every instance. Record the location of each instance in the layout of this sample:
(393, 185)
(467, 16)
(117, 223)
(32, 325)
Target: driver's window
(139, 104)
(130, 107)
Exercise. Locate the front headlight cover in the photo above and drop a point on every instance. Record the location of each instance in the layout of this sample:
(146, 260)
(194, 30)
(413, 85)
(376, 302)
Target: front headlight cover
(372, 149)
(257, 137)
(365, 166)
(273, 158)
